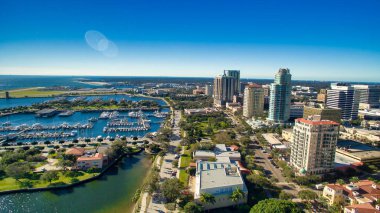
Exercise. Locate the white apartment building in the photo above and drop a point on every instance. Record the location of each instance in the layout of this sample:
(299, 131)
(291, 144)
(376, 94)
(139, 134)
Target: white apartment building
(220, 180)
(313, 145)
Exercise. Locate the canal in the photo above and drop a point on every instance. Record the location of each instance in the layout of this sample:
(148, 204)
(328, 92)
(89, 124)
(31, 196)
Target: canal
(110, 193)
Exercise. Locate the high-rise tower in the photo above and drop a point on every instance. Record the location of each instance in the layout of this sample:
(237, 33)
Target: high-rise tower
(236, 75)
(313, 145)
(280, 91)
(253, 100)
(224, 89)
(344, 97)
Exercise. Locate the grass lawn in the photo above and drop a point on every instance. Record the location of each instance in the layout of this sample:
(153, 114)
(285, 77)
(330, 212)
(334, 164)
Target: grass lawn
(12, 184)
(32, 92)
(185, 160)
(184, 177)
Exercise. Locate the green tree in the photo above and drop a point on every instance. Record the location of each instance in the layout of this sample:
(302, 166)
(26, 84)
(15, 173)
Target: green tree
(285, 196)
(18, 170)
(354, 179)
(259, 180)
(192, 207)
(207, 198)
(49, 176)
(237, 195)
(307, 195)
(275, 206)
(340, 182)
(65, 161)
(171, 189)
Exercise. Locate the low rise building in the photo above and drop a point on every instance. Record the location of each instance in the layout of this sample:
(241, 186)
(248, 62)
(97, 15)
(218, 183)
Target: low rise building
(87, 162)
(358, 151)
(234, 107)
(357, 195)
(362, 208)
(219, 180)
(78, 152)
(287, 134)
(202, 111)
(296, 110)
(221, 153)
(325, 113)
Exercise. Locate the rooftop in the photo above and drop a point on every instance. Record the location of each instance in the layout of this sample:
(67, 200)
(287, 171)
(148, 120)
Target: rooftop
(213, 174)
(315, 123)
(97, 156)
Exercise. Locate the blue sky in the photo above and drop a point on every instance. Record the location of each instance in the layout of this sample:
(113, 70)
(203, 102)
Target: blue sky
(321, 40)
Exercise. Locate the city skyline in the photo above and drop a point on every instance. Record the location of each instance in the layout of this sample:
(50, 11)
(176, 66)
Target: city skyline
(192, 39)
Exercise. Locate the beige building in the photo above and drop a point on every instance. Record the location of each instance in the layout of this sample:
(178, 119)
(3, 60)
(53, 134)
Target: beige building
(322, 96)
(287, 134)
(87, 162)
(325, 113)
(313, 146)
(359, 196)
(253, 101)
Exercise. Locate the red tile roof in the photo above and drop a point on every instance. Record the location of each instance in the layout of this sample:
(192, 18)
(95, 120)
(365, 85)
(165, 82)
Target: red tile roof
(97, 156)
(75, 151)
(253, 85)
(363, 208)
(315, 123)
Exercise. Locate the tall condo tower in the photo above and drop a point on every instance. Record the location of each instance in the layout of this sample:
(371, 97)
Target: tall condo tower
(236, 75)
(209, 90)
(279, 102)
(313, 145)
(224, 89)
(253, 100)
(344, 97)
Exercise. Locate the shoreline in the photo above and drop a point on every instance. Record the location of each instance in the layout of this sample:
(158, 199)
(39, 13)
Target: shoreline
(67, 186)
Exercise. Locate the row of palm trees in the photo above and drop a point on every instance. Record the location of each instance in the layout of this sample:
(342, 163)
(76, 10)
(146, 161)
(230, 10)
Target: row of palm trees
(236, 196)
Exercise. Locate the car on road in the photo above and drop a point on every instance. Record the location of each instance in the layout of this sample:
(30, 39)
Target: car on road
(176, 156)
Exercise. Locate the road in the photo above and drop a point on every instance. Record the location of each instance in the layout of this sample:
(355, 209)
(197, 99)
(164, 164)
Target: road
(156, 204)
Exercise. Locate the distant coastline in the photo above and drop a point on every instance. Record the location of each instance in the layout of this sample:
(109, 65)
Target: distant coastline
(94, 83)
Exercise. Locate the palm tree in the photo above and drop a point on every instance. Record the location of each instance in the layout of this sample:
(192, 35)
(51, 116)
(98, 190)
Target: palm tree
(237, 195)
(340, 181)
(207, 198)
(354, 179)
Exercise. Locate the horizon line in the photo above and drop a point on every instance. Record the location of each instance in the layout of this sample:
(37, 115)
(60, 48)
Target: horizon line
(152, 76)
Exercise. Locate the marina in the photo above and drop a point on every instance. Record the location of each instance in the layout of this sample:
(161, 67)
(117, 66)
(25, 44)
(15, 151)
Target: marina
(17, 102)
(53, 125)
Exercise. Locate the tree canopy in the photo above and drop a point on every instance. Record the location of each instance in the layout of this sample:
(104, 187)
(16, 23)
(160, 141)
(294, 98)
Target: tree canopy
(171, 189)
(275, 206)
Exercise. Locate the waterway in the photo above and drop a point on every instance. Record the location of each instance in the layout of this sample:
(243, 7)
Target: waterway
(111, 193)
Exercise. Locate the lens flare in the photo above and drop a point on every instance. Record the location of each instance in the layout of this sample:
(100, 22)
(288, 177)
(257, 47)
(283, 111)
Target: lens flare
(99, 42)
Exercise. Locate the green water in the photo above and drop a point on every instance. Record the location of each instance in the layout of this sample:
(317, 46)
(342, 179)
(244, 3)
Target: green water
(111, 193)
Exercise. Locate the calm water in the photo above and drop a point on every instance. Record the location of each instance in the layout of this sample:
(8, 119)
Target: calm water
(111, 193)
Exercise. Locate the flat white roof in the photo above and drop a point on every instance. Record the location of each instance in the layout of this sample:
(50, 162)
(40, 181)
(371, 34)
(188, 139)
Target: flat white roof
(281, 146)
(221, 147)
(214, 174)
(204, 153)
(271, 139)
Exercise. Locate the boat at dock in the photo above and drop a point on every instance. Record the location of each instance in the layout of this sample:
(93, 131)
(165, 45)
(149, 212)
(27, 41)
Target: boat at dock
(104, 115)
(135, 114)
(92, 119)
(66, 113)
